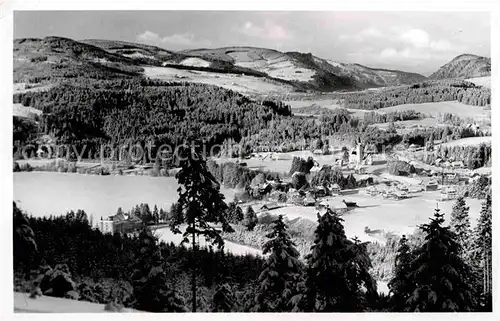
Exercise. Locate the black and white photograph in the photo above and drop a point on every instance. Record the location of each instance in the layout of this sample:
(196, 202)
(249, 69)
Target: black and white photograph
(250, 161)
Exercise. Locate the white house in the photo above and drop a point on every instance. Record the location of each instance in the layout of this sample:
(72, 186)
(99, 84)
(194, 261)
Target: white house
(105, 226)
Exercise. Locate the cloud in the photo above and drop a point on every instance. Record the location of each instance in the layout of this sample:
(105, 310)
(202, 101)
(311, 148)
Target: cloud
(269, 30)
(442, 45)
(183, 40)
(416, 37)
(363, 35)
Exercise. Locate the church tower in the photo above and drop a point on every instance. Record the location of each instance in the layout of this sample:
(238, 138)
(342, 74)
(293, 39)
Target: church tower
(359, 151)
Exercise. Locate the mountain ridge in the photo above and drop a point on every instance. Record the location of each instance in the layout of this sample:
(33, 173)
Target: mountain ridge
(304, 71)
(464, 66)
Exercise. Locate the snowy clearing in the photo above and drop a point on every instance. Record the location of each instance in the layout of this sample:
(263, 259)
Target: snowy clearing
(166, 235)
(481, 81)
(239, 83)
(470, 141)
(398, 217)
(434, 109)
(23, 111)
(195, 62)
(46, 304)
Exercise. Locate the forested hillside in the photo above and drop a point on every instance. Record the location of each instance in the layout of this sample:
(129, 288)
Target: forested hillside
(54, 58)
(425, 92)
(464, 66)
(143, 111)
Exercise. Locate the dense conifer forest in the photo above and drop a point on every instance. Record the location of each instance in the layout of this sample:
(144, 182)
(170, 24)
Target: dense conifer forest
(425, 92)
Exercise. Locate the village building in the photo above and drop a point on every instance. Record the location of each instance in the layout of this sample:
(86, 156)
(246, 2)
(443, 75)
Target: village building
(403, 188)
(413, 147)
(318, 152)
(40, 153)
(448, 194)
(309, 201)
(372, 191)
(106, 226)
(457, 164)
(295, 198)
(270, 206)
(319, 191)
(335, 189)
(431, 186)
(339, 162)
(451, 179)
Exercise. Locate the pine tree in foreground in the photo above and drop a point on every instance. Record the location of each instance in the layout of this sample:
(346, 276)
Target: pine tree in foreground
(337, 270)
(440, 276)
(482, 254)
(202, 205)
(460, 225)
(282, 271)
(223, 299)
(400, 285)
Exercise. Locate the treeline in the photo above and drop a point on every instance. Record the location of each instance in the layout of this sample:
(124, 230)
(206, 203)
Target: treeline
(373, 117)
(426, 92)
(472, 156)
(234, 175)
(423, 136)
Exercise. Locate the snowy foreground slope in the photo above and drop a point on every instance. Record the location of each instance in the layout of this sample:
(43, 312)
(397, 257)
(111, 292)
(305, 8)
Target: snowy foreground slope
(47, 304)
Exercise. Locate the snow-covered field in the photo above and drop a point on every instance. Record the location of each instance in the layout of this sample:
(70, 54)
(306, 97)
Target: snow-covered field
(21, 87)
(273, 63)
(470, 141)
(331, 104)
(195, 62)
(47, 304)
(409, 125)
(239, 83)
(23, 111)
(481, 81)
(282, 164)
(166, 235)
(398, 217)
(434, 109)
(50, 193)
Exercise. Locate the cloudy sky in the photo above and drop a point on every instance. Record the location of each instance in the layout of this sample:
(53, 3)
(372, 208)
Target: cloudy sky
(411, 41)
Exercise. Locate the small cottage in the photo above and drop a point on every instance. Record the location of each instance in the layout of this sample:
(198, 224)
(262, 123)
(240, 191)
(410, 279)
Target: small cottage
(270, 206)
(317, 152)
(335, 189)
(309, 201)
(431, 186)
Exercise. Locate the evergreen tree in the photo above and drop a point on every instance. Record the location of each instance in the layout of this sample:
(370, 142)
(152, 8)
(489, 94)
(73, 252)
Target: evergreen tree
(156, 214)
(251, 219)
(234, 213)
(202, 204)
(223, 299)
(482, 253)
(282, 271)
(151, 292)
(337, 268)
(400, 285)
(24, 237)
(460, 225)
(441, 277)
